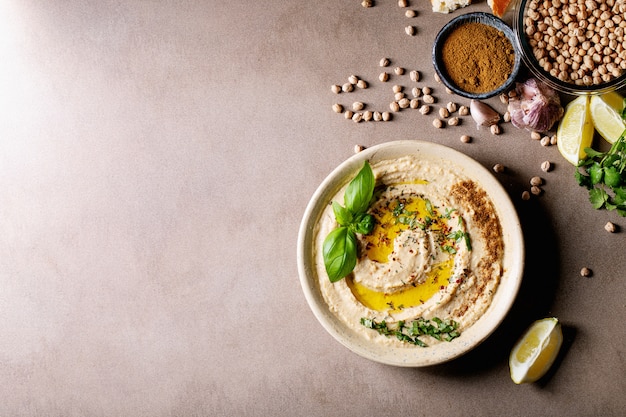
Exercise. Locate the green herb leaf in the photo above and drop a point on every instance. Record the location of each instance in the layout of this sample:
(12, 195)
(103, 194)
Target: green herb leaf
(340, 246)
(360, 190)
(598, 197)
(342, 215)
(364, 223)
(340, 253)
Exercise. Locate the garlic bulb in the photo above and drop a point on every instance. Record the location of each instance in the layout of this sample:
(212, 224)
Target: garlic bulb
(537, 106)
(483, 114)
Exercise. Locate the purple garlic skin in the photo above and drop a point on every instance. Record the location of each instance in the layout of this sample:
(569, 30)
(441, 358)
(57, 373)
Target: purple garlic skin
(483, 114)
(537, 106)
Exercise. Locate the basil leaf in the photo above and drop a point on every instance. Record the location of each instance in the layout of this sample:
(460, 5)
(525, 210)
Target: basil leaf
(364, 224)
(340, 253)
(360, 190)
(342, 214)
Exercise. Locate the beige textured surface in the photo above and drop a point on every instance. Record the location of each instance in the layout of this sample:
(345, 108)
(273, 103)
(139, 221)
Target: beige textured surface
(155, 161)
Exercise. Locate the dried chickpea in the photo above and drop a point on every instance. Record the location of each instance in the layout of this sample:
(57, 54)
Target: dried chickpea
(337, 108)
(437, 123)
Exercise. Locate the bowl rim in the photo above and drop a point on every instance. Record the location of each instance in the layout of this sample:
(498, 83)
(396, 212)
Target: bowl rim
(513, 263)
(478, 17)
(533, 64)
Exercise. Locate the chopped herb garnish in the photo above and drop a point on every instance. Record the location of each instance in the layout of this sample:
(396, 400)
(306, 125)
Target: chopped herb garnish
(445, 330)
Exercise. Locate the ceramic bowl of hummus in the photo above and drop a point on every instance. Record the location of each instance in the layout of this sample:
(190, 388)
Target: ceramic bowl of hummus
(439, 271)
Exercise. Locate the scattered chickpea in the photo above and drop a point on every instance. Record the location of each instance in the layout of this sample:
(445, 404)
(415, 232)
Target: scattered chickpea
(498, 168)
(404, 103)
(466, 139)
(347, 87)
(410, 30)
(394, 106)
(463, 111)
(384, 77)
(410, 13)
(397, 88)
(384, 62)
(398, 96)
(553, 140)
(377, 116)
(386, 116)
(335, 88)
(357, 106)
(454, 121)
(353, 79)
(545, 141)
(348, 114)
(506, 117)
(428, 98)
(585, 272)
(361, 84)
(437, 78)
(414, 75)
(416, 91)
(337, 108)
(368, 115)
(357, 117)
(535, 190)
(495, 129)
(398, 70)
(427, 90)
(425, 109)
(525, 195)
(437, 123)
(536, 181)
(535, 135)
(359, 148)
(546, 166)
(367, 3)
(610, 227)
(403, 3)
(415, 103)
(444, 113)
(449, 91)
(504, 98)
(451, 106)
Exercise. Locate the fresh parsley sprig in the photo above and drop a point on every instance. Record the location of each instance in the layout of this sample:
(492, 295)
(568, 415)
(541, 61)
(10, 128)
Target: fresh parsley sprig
(603, 174)
(445, 330)
(340, 246)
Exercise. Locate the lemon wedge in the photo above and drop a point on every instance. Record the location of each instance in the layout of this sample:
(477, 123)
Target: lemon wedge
(606, 112)
(536, 350)
(575, 131)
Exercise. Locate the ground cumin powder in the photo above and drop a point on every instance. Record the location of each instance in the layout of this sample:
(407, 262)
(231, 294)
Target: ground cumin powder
(478, 58)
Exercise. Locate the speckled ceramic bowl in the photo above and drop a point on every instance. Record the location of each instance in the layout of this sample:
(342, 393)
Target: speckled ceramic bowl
(412, 356)
(478, 17)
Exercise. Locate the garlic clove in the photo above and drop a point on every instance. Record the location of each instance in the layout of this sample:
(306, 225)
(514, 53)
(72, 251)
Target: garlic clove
(483, 114)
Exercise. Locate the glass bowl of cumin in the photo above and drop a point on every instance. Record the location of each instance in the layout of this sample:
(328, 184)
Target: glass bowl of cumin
(475, 55)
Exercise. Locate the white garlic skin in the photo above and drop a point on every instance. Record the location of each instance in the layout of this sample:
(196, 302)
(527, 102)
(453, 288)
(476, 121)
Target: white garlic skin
(483, 114)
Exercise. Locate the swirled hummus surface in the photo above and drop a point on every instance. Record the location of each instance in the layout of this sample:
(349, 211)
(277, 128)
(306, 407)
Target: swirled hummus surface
(435, 252)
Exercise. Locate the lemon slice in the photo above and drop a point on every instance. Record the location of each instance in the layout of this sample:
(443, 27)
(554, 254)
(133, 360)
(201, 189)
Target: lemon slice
(535, 352)
(606, 112)
(575, 131)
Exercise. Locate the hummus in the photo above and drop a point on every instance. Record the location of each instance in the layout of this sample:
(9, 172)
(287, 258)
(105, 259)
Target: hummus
(435, 252)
